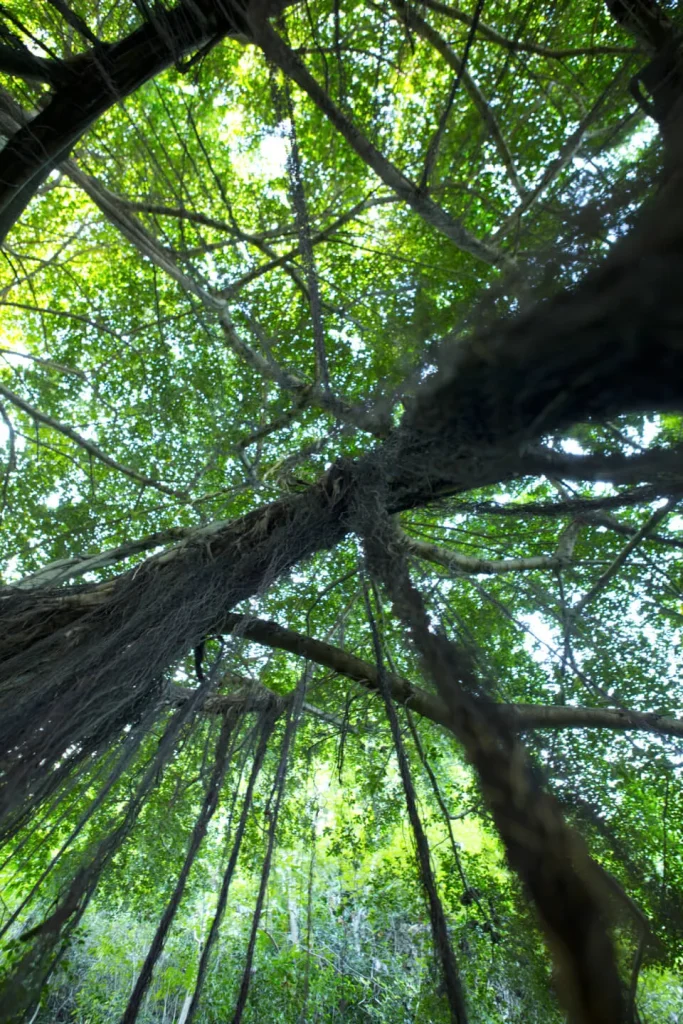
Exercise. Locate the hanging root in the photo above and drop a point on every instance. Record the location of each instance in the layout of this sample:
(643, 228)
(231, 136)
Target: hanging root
(442, 942)
(49, 939)
(79, 664)
(549, 857)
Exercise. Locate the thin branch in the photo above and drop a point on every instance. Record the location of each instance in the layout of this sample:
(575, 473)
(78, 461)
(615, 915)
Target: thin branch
(576, 506)
(267, 723)
(569, 149)
(181, 213)
(272, 814)
(590, 510)
(276, 50)
(49, 364)
(303, 222)
(320, 236)
(413, 21)
(78, 317)
(89, 446)
(621, 558)
(461, 563)
(208, 808)
(435, 141)
(441, 939)
(516, 46)
(74, 20)
(548, 856)
(12, 458)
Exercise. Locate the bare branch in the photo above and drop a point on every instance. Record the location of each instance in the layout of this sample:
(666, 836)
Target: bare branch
(280, 54)
(413, 21)
(517, 46)
(435, 141)
(89, 446)
(461, 563)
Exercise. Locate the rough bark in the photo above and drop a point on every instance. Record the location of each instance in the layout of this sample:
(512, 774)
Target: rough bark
(611, 345)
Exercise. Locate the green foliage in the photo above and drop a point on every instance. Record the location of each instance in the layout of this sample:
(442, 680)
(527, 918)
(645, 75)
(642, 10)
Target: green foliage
(123, 346)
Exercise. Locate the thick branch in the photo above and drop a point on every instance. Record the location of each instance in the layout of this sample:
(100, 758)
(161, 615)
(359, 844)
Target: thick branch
(611, 344)
(520, 716)
(21, 63)
(563, 716)
(663, 465)
(251, 697)
(71, 568)
(103, 76)
(658, 87)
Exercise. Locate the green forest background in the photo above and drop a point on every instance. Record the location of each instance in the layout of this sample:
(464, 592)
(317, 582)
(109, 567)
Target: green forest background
(212, 300)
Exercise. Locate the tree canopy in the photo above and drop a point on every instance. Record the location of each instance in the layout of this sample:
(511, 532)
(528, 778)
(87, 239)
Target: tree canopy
(341, 381)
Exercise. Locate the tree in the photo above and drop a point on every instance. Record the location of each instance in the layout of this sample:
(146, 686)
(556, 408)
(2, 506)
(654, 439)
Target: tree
(316, 317)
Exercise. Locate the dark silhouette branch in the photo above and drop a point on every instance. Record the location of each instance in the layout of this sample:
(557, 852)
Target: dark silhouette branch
(276, 50)
(663, 466)
(412, 20)
(101, 77)
(21, 63)
(522, 46)
(520, 716)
